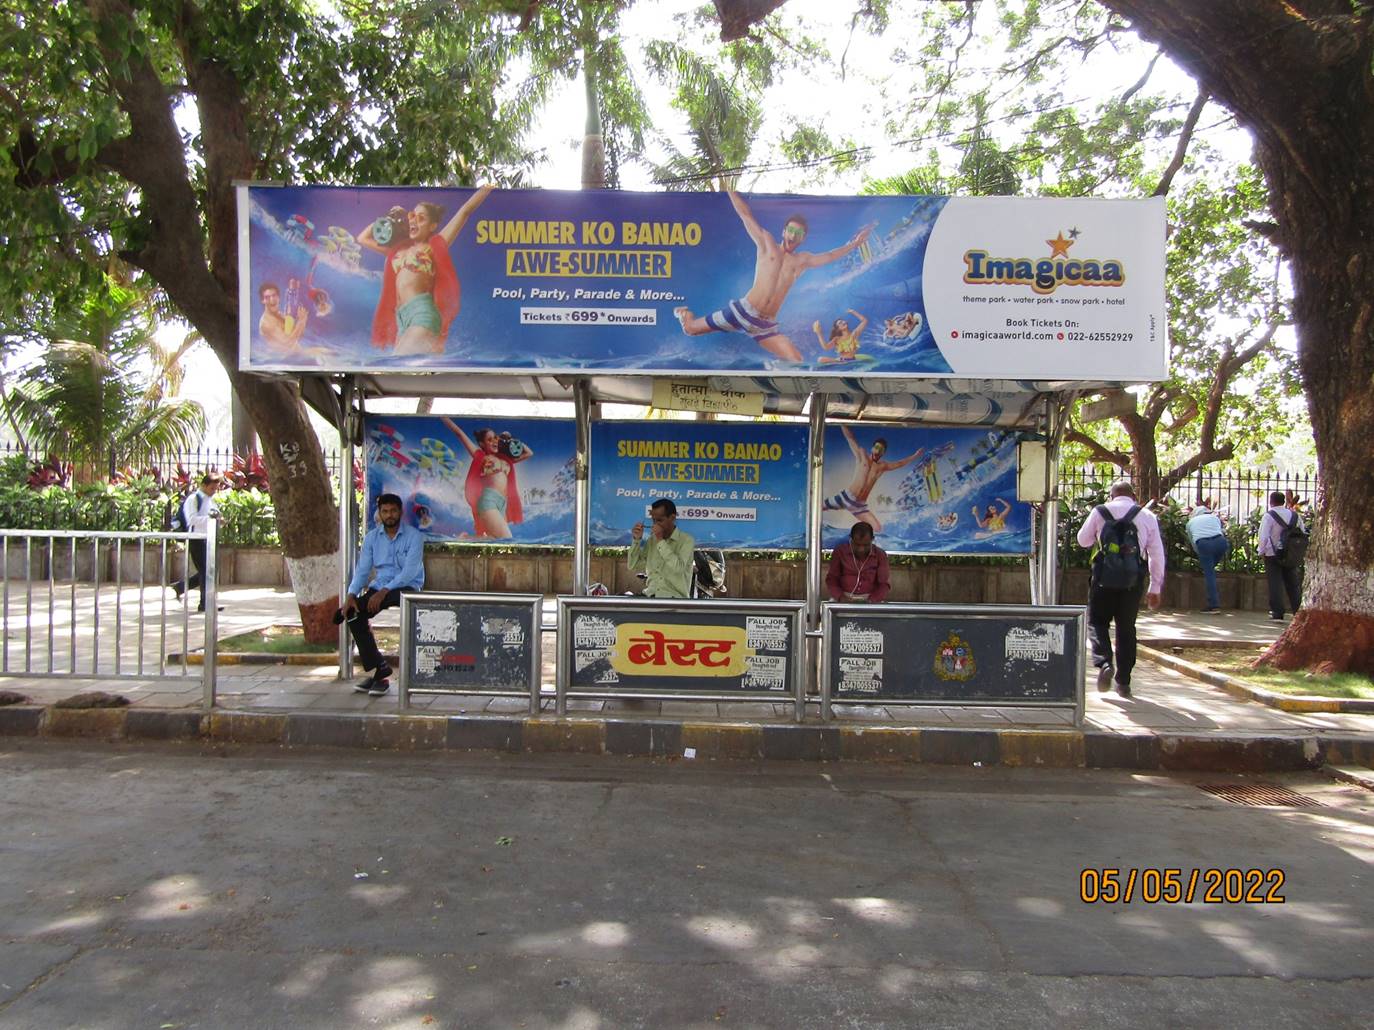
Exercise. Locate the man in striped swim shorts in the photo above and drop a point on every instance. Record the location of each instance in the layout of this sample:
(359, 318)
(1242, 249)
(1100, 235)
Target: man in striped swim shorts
(778, 266)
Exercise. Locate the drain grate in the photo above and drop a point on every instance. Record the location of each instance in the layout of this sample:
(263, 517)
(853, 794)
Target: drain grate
(1260, 795)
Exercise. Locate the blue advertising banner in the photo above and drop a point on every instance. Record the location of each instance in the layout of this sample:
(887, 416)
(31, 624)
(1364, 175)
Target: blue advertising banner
(350, 279)
(925, 490)
(475, 479)
(735, 484)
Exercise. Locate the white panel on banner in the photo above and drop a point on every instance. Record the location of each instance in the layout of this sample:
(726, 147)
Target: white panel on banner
(408, 279)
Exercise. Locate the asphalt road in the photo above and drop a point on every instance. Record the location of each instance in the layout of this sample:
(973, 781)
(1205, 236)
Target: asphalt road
(189, 886)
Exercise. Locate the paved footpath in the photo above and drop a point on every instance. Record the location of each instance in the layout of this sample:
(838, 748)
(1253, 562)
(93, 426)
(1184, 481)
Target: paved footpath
(1164, 701)
(199, 886)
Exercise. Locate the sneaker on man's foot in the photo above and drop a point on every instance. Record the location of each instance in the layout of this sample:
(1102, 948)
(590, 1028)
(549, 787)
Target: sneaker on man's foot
(1275, 618)
(1211, 611)
(379, 687)
(1123, 689)
(365, 684)
(1104, 678)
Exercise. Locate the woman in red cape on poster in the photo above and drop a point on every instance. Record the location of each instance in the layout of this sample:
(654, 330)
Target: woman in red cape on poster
(420, 289)
(490, 488)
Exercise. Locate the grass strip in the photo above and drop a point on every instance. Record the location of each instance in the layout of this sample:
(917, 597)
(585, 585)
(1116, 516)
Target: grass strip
(1236, 662)
(291, 640)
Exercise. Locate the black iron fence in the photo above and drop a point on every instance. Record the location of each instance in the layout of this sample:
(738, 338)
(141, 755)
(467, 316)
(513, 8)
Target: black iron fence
(1236, 493)
(161, 467)
(1241, 497)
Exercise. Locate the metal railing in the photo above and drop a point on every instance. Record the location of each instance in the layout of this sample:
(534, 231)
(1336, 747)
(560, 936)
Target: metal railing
(1238, 492)
(95, 605)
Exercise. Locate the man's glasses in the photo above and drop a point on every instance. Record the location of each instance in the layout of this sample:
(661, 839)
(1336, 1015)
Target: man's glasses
(793, 232)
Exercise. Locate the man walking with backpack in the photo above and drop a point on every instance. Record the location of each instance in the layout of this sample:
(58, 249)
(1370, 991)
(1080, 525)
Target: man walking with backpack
(1125, 536)
(1283, 545)
(193, 516)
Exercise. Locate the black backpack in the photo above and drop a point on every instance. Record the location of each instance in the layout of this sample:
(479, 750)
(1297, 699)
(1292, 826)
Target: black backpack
(1292, 541)
(177, 522)
(1117, 563)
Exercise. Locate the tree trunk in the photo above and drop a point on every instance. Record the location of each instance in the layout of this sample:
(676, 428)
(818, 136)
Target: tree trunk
(191, 250)
(593, 142)
(303, 496)
(1298, 76)
(243, 436)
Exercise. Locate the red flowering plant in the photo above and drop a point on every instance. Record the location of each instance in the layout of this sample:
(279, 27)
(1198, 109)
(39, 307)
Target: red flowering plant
(249, 472)
(49, 473)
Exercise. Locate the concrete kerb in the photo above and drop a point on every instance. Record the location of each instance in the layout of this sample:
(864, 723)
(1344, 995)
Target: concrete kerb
(704, 741)
(1250, 692)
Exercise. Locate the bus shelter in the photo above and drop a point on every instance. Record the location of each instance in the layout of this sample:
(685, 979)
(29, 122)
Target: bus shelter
(940, 338)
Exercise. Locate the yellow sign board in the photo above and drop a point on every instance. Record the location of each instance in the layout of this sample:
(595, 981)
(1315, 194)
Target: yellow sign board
(684, 395)
(671, 650)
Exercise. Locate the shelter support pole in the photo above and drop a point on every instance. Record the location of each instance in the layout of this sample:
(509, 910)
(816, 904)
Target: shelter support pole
(814, 487)
(582, 552)
(1055, 409)
(348, 427)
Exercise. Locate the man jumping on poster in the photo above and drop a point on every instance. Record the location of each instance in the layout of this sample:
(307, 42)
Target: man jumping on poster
(870, 467)
(778, 266)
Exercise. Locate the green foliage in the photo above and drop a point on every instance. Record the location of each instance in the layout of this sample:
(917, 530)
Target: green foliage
(97, 393)
(14, 471)
(88, 506)
(247, 519)
(284, 90)
(138, 506)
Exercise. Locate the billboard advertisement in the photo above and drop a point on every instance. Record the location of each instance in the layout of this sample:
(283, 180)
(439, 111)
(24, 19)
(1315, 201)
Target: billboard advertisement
(428, 279)
(925, 490)
(475, 479)
(735, 484)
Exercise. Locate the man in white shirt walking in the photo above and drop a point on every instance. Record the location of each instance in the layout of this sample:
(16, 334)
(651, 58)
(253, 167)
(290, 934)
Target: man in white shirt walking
(1110, 598)
(196, 512)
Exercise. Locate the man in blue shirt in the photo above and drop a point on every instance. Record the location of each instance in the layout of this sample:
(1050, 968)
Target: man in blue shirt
(396, 554)
(1208, 537)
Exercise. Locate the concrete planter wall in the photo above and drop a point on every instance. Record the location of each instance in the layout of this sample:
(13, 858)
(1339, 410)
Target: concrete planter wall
(753, 578)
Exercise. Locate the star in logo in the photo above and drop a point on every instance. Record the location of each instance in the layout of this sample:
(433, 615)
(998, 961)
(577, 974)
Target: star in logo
(1073, 233)
(1059, 246)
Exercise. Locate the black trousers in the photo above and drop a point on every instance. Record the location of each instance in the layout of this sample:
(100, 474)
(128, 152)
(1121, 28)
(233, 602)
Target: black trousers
(1283, 582)
(196, 549)
(361, 628)
(1106, 606)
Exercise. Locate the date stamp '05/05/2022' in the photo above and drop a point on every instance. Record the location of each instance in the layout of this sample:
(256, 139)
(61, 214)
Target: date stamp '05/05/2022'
(1167, 886)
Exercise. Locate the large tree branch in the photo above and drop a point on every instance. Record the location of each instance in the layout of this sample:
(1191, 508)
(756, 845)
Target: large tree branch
(736, 16)
(1184, 138)
(1096, 450)
(1140, 82)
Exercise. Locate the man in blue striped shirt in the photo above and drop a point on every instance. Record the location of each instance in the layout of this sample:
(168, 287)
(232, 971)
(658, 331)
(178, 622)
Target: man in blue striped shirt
(392, 559)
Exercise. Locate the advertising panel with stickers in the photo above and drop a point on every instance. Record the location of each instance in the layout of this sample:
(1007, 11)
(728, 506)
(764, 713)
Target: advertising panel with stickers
(742, 648)
(930, 654)
(470, 643)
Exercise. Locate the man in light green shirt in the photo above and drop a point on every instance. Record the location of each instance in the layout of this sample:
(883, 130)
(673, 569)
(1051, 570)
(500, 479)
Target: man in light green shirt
(666, 555)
